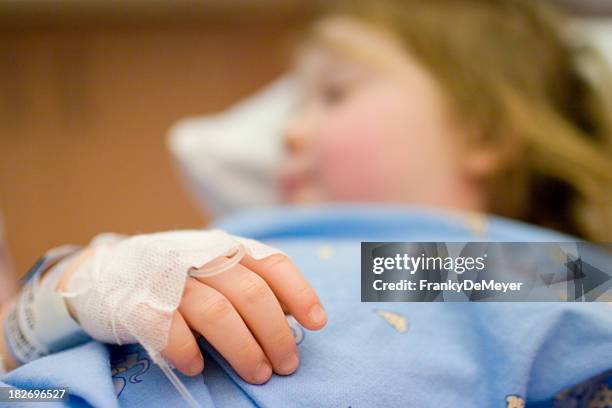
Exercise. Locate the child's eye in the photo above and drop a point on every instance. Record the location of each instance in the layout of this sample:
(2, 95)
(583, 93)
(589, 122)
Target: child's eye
(334, 93)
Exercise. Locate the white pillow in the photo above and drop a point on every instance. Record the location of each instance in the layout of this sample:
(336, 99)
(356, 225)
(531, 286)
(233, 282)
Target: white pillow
(230, 159)
(596, 33)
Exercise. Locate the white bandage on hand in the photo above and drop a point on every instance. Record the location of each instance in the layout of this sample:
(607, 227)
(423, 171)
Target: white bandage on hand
(129, 288)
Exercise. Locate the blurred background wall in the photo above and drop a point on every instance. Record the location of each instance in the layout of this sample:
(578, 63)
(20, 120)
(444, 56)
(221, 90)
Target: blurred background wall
(88, 90)
(87, 93)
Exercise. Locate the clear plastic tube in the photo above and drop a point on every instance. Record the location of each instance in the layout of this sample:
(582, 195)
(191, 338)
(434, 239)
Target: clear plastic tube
(233, 260)
(161, 362)
(178, 384)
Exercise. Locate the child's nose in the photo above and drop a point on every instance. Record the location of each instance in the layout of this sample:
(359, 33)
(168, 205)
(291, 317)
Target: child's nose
(297, 135)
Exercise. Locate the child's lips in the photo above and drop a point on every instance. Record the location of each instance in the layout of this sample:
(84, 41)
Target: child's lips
(290, 184)
(296, 174)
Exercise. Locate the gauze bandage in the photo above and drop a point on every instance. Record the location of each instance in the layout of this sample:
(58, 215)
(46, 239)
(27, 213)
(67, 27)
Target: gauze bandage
(129, 288)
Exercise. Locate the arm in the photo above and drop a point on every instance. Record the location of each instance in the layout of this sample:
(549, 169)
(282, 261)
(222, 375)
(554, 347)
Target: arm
(241, 312)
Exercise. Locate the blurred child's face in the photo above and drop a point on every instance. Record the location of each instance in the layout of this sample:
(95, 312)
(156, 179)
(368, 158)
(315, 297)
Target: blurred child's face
(373, 125)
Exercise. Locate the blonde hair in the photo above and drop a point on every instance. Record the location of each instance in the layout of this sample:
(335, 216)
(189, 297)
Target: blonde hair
(509, 70)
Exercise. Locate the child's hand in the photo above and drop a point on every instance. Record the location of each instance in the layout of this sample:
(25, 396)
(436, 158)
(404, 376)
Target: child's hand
(239, 312)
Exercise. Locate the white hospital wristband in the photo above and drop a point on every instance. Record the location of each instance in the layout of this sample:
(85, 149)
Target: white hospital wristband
(38, 322)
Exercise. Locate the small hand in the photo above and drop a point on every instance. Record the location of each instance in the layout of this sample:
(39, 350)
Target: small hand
(240, 312)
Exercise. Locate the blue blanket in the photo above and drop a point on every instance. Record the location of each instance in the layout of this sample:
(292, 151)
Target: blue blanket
(372, 354)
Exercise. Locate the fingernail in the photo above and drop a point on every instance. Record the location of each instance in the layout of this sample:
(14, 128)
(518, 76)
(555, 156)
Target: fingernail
(317, 314)
(289, 364)
(196, 366)
(263, 372)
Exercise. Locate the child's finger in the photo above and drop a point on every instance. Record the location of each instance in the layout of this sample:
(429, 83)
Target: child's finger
(182, 350)
(260, 310)
(291, 288)
(211, 314)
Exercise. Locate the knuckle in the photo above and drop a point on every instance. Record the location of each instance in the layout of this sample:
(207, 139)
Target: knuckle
(186, 350)
(275, 261)
(282, 341)
(306, 292)
(215, 307)
(247, 353)
(254, 288)
(189, 290)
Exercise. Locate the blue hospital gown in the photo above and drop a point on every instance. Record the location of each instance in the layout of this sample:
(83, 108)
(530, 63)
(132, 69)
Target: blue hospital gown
(373, 354)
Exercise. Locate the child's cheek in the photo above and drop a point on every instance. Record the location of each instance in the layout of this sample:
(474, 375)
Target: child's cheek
(352, 156)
